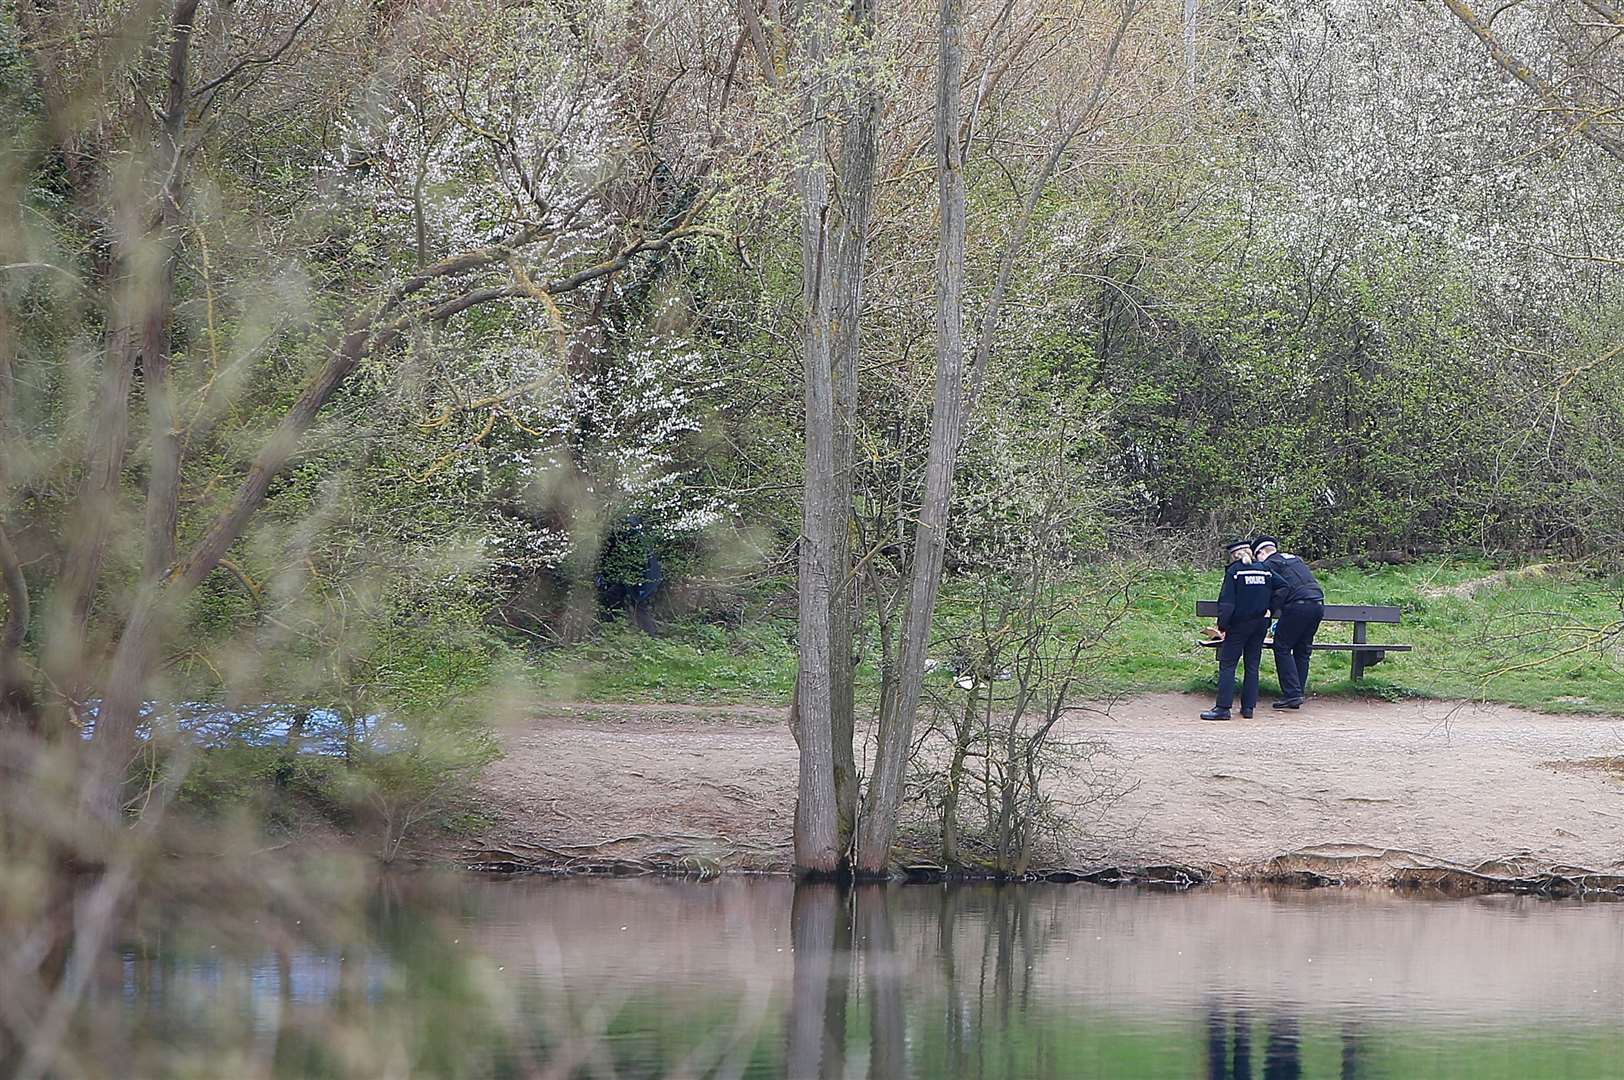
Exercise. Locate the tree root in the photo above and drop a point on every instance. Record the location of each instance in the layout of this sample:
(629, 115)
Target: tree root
(1574, 882)
(529, 857)
(1344, 864)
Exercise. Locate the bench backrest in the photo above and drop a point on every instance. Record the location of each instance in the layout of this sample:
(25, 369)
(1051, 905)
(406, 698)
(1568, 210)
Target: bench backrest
(1334, 612)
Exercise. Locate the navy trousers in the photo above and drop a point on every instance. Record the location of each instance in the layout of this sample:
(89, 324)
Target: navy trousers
(1294, 644)
(1243, 642)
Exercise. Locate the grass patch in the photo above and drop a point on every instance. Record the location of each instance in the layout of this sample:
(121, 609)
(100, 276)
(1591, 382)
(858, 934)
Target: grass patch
(1525, 641)
(692, 662)
(1528, 641)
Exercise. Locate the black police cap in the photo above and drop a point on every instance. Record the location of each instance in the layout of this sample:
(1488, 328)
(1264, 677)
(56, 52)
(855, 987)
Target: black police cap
(1235, 545)
(1265, 538)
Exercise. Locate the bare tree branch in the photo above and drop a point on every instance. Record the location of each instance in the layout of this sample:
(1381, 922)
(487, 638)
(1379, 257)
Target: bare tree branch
(64, 271)
(879, 823)
(163, 481)
(758, 41)
(211, 89)
(1015, 238)
(1580, 122)
(1607, 11)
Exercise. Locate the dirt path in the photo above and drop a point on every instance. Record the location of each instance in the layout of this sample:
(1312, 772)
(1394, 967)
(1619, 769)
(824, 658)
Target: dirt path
(1341, 786)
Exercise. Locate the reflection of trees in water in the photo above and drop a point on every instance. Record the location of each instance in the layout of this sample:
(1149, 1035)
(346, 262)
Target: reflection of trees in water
(958, 1037)
(826, 955)
(882, 968)
(813, 1041)
(1014, 956)
(977, 1015)
(991, 993)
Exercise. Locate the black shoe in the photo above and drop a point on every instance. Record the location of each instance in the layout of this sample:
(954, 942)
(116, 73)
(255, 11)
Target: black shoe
(1288, 703)
(1215, 714)
(1246, 714)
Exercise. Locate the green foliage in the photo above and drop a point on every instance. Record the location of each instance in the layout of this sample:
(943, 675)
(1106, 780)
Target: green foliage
(410, 664)
(423, 775)
(19, 91)
(692, 661)
(272, 781)
(1527, 641)
(407, 774)
(1504, 643)
(1367, 421)
(1194, 358)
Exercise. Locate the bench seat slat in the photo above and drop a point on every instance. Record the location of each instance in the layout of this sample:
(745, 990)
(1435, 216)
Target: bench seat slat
(1369, 646)
(1336, 646)
(1333, 612)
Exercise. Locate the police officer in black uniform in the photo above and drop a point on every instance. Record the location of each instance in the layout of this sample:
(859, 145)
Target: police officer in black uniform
(1243, 617)
(1299, 605)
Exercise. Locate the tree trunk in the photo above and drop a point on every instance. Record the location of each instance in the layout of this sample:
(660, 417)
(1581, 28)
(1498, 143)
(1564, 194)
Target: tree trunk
(97, 499)
(1011, 776)
(947, 416)
(955, 783)
(817, 841)
(137, 648)
(952, 403)
(854, 194)
(16, 699)
(163, 480)
(1008, 793)
(143, 294)
(119, 711)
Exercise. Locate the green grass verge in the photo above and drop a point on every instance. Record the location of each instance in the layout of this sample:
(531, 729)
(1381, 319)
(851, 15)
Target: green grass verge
(692, 661)
(1525, 641)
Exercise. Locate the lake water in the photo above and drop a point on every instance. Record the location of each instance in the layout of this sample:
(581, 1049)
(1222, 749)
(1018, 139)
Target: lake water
(755, 978)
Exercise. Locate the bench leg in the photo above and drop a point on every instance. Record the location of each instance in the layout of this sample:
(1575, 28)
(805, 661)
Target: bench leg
(1358, 654)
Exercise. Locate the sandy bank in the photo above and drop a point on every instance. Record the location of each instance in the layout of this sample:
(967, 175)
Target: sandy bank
(1347, 787)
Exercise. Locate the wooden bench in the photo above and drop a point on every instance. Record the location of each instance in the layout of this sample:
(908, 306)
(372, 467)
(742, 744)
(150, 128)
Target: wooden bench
(1365, 654)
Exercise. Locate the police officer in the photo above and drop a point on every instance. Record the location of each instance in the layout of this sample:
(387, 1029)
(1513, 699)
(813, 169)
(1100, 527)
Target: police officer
(1299, 605)
(1243, 617)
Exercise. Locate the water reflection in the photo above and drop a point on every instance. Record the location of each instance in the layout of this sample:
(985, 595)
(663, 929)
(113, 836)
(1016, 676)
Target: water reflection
(1229, 1046)
(845, 947)
(759, 979)
(976, 998)
(1282, 1060)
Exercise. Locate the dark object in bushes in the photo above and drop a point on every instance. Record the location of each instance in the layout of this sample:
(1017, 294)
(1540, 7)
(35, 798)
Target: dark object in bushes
(630, 574)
